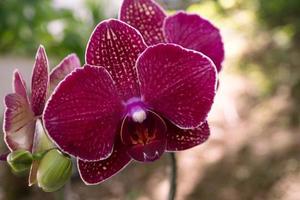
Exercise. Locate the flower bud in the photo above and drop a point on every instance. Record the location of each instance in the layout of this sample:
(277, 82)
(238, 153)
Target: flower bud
(19, 161)
(54, 171)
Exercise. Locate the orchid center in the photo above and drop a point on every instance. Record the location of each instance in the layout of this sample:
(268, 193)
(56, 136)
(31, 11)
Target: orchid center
(144, 133)
(139, 116)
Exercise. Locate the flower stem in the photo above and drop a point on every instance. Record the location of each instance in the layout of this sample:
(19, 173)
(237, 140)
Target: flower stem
(40, 155)
(173, 177)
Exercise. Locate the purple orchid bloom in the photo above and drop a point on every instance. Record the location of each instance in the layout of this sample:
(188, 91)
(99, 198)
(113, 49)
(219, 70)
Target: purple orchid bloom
(188, 30)
(23, 112)
(130, 102)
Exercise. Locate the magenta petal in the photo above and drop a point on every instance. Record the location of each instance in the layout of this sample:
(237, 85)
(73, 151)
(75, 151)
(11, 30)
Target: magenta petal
(39, 83)
(193, 32)
(19, 123)
(99, 171)
(178, 83)
(65, 67)
(83, 114)
(146, 140)
(115, 46)
(179, 139)
(19, 85)
(147, 17)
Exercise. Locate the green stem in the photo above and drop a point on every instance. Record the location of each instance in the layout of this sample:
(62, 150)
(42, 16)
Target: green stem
(173, 177)
(40, 155)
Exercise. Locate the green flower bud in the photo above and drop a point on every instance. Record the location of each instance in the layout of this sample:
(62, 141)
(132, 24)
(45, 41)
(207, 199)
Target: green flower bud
(20, 161)
(54, 171)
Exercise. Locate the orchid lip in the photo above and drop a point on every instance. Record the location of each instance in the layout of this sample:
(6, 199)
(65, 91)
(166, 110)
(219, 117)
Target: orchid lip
(154, 157)
(143, 132)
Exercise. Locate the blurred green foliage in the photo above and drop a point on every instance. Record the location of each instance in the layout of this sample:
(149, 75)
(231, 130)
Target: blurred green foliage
(285, 15)
(281, 13)
(27, 23)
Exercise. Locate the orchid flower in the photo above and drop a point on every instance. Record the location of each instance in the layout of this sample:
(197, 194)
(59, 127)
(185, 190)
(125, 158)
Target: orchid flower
(23, 129)
(188, 30)
(130, 102)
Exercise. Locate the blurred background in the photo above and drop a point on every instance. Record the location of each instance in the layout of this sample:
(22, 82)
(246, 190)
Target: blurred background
(254, 149)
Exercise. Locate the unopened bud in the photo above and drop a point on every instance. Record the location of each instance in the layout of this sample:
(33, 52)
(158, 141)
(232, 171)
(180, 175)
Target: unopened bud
(54, 171)
(20, 161)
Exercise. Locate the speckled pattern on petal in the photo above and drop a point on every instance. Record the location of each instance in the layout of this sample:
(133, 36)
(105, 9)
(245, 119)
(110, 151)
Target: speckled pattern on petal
(39, 82)
(193, 32)
(178, 83)
(179, 139)
(97, 172)
(146, 16)
(115, 46)
(83, 114)
(19, 85)
(65, 67)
